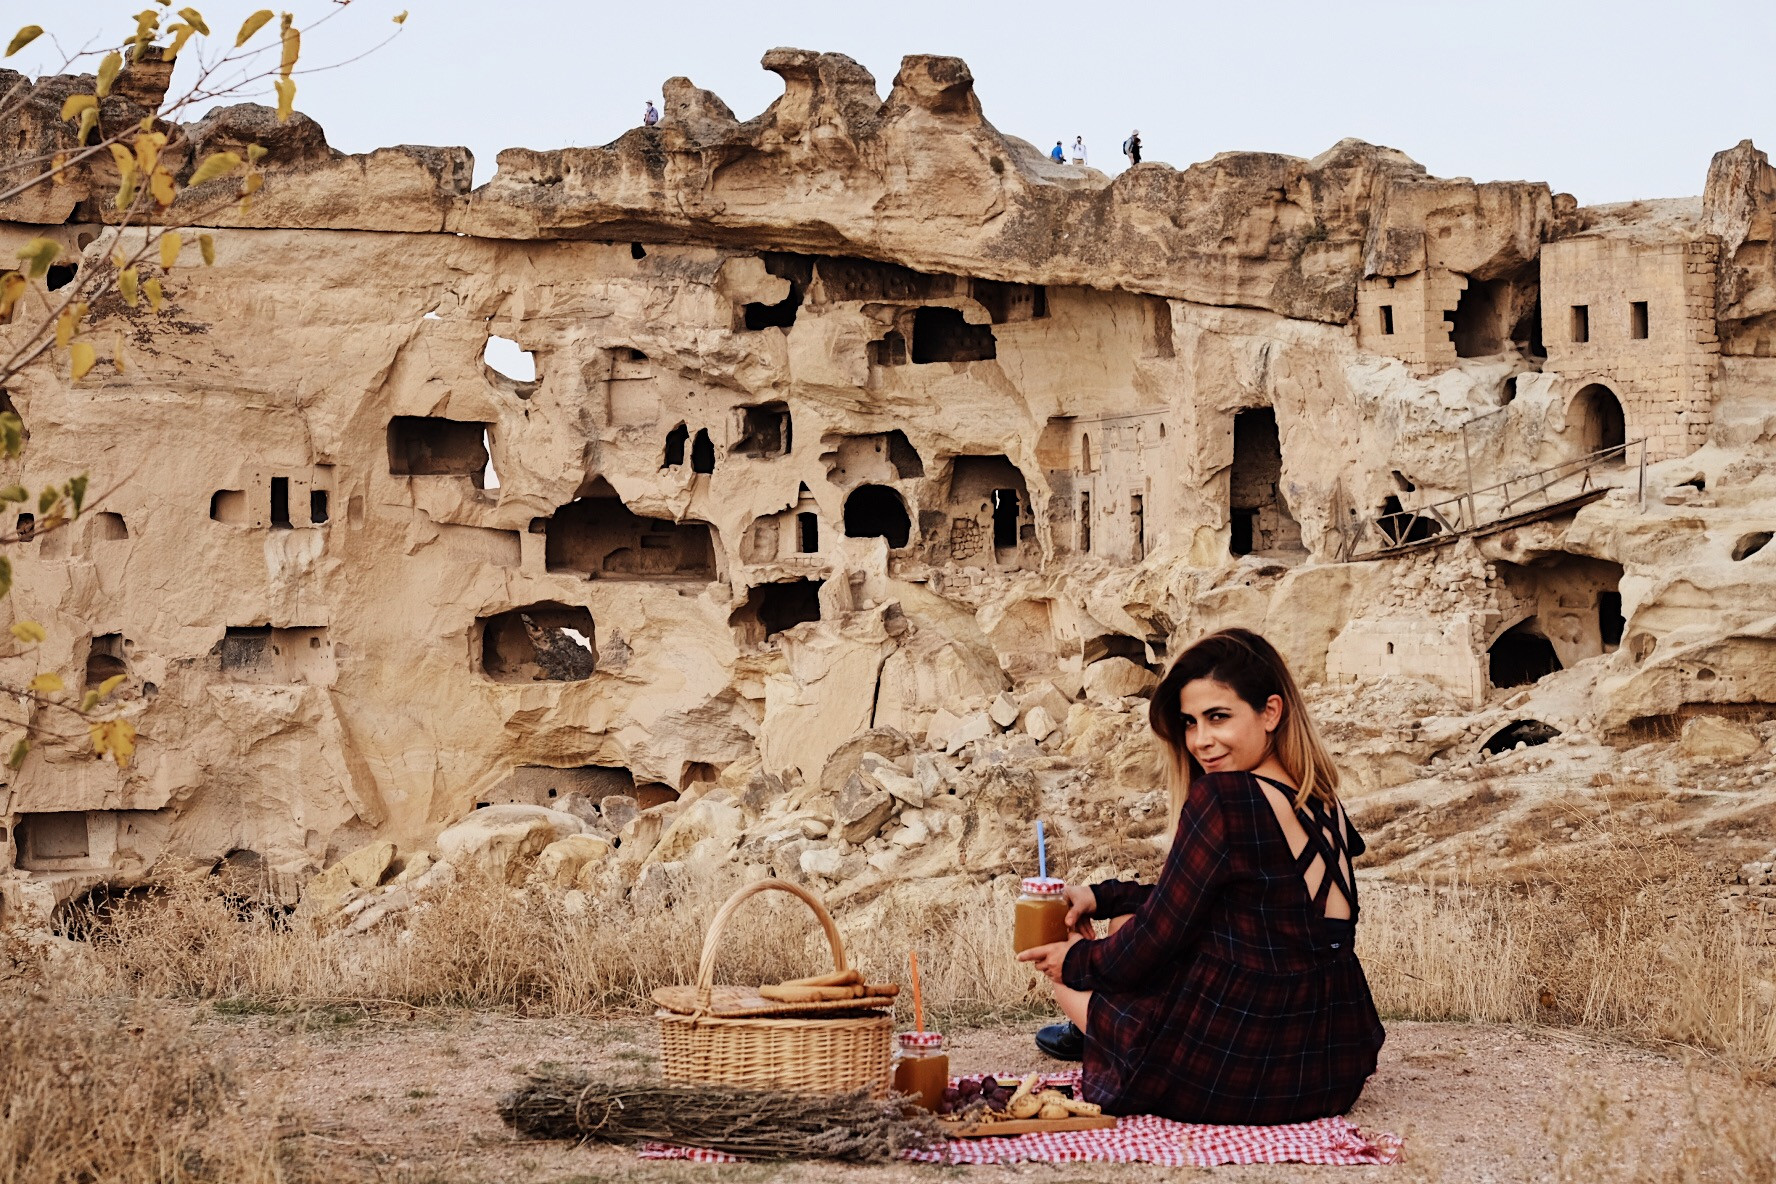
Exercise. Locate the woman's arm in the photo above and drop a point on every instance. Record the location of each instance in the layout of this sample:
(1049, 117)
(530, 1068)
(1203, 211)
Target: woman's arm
(1174, 911)
(1118, 898)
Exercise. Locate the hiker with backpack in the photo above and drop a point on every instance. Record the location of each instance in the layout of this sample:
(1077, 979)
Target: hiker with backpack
(1131, 148)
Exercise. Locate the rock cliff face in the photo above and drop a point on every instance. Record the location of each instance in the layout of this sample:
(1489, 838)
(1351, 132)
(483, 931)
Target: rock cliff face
(822, 492)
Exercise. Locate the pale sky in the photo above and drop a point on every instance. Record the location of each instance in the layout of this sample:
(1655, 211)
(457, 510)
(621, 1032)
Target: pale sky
(1608, 101)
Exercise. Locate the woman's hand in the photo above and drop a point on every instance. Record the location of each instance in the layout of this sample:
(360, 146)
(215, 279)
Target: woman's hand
(1082, 905)
(1048, 958)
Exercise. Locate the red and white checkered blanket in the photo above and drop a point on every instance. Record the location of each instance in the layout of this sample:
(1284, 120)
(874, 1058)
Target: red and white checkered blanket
(1144, 1138)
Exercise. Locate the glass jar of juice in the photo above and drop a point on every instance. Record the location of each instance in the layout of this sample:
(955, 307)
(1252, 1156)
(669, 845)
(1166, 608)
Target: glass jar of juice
(922, 1069)
(1041, 914)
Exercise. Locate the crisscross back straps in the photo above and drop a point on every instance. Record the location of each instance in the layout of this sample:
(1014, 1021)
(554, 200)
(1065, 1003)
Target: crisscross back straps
(1326, 831)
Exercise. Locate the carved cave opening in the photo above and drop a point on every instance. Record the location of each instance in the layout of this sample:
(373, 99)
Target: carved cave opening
(280, 503)
(1499, 314)
(765, 430)
(44, 841)
(422, 445)
(1527, 732)
(942, 335)
(1260, 517)
(599, 537)
(890, 350)
(109, 526)
(1750, 544)
(543, 642)
(509, 360)
(106, 657)
(60, 275)
(1602, 426)
(676, 440)
(274, 656)
(807, 532)
(230, 506)
(876, 511)
(769, 609)
(1007, 302)
(702, 452)
(1521, 655)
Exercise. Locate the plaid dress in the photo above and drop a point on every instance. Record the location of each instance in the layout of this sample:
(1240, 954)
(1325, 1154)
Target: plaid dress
(1229, 997)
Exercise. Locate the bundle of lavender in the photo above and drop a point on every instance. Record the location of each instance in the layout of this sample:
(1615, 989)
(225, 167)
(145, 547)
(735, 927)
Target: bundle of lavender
(757, 1124)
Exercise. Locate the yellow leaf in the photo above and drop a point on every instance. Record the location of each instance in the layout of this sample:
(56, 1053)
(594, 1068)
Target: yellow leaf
(128, 284)
(111, 684)
(47, 683)
(160, 184)
(195, 18)
(81, 359)
(123, 742)
(29, 632)
(89, 119)
(126, 161)
(64, 329)
(119, 259)
(126, 193)
(12, 286)
(18, 753)
(207, 244)
(401, 17)
(292, 47)
(101, 737)
(181, 34)
(108, 72)
(148, 146)
(286, 92)
(117, 352)
(57, 168)
(251, 185)
(256, 153)
(216, 164)
(23, 38)
(89, 701)
(248, 27)
(156, 297)
(170, 243)
(38, 254)
(147, 123)
(75, 104)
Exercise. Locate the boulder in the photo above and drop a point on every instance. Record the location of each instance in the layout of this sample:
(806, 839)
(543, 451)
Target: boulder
(1118, 678)
(932, 775)
(1004, 710)
(563, 861)
(970, 728)
(847, 758)
(1039, 723)
(618, 810)
(362, 869)
(862, 808)
(713, 818)
(821, 861)
(943, 722)
(902, 788)
(500, 840)
(1712, 738)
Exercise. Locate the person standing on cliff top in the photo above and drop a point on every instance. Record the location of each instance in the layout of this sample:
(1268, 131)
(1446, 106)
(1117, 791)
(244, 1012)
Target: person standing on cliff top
(650, 117)
(1079, 151)
(1131, 147)
(1058, 156)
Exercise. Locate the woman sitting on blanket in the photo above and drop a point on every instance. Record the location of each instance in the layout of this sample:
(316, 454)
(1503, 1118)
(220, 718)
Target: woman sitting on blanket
(1230, 991)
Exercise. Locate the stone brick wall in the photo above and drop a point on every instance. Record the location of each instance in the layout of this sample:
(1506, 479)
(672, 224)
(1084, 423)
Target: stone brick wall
(1420, 304)
(1664, 380)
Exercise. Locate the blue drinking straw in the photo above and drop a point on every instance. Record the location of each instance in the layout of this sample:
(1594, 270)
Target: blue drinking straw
(1041, 850)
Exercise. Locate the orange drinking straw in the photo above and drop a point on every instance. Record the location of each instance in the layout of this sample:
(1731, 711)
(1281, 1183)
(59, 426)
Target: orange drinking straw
(918, 999)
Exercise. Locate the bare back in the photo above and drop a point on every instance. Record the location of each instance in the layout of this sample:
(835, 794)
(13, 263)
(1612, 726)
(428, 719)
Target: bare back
(1333, 898)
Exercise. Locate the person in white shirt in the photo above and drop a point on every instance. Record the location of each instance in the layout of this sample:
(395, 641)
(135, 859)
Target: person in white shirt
(1079, 150)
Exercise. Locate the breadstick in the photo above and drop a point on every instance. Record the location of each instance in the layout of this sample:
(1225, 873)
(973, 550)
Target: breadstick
(832, 978)
(785, 993)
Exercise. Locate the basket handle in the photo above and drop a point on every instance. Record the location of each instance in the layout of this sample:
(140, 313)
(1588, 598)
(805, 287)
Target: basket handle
(706, 965)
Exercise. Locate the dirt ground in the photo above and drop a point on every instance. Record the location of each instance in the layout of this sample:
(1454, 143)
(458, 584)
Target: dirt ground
(410, 1099)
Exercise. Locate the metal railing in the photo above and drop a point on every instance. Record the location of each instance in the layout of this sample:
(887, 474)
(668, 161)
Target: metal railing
(1476, 509)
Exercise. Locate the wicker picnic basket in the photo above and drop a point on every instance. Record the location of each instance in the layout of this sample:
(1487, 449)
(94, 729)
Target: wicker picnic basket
(819, 1051)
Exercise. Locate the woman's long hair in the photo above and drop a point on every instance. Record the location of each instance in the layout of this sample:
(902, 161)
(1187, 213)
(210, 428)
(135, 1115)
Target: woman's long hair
(1251, 666)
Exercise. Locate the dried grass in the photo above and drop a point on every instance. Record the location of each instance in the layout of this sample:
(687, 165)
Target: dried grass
(1625, 937)
(92, 1094)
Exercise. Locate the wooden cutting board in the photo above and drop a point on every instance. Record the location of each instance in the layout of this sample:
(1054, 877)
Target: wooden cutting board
(1022, 1126)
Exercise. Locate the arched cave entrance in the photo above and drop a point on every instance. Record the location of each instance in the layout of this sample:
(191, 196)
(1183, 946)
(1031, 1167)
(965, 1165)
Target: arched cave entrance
(876, 511)
(1602, 426)
(1260, 518)
(1521, 656)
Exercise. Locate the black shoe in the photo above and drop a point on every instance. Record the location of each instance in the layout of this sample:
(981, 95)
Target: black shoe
(1062, 1041)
